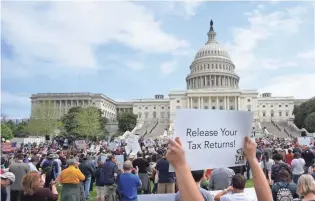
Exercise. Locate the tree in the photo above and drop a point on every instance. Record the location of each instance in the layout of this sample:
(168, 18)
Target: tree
(44, 120)
(89, 124)
(6, 132)
(20, 129)
(69, 121)
(127, 121)
(10, 124)
(310, 122)
(301, 112)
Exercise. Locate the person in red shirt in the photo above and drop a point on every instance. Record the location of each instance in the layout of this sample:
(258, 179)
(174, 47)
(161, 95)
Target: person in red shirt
(289, 157)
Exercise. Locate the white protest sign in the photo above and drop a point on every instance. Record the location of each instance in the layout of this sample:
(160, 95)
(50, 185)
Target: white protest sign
(80, 144)
(305, 141)
(113, 146)
(120, 161)
(213, 138)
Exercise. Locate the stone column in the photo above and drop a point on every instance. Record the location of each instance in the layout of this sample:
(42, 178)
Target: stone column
(239, 103)
(225, 102)
(188, 102)
(209, 103)
(235, 103)
(202, 102)
(228, 103)
(215, 81)
(206, 83)
(199, 102)
(217, 107)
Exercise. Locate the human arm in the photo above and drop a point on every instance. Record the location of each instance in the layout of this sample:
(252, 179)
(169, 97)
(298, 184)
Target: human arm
(80, 175)
(260, 183)
(186, 184)
(51, 195)
(224, 192)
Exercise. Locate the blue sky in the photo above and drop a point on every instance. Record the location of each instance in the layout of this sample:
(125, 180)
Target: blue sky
(130, 50)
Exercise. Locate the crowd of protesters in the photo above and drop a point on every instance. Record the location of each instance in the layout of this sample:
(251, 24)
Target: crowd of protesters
(33, 173)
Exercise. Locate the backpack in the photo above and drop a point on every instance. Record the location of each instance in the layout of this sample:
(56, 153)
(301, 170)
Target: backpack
(284, 194)
(277, 168)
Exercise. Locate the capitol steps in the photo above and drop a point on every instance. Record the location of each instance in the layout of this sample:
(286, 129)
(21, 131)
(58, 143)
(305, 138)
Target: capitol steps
(274, 130)
(158, 130)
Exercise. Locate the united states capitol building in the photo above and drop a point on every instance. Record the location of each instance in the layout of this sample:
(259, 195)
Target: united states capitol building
(211, 84)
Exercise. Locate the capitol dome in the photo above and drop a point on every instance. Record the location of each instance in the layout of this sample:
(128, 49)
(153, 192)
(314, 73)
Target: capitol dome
(212, 66)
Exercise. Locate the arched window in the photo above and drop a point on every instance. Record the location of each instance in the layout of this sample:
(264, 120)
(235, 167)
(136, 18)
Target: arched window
(213, 107)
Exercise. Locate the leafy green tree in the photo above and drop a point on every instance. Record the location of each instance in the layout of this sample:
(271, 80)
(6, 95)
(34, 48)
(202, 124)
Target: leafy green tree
(301, 112)
(44, 119)
(21, 129)
(89, 124)
(10, 124)
(127, 122)
(6, 132)
(69, 121)
(310, 122)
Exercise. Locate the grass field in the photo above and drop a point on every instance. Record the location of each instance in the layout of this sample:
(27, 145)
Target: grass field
(249, 184)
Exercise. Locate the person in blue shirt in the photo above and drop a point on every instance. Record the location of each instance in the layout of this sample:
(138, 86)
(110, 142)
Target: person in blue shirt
(128, 183)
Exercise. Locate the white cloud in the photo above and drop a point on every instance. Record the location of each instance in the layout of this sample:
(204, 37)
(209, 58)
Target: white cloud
(135, 65)
(308, 56)
(67, 34)
(168, 68)
(262, 26)
(301, 85)
(14, 99)
(185, 8)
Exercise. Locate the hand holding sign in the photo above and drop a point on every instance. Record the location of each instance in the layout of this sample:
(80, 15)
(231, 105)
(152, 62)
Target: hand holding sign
(175, 153)
(250, 147)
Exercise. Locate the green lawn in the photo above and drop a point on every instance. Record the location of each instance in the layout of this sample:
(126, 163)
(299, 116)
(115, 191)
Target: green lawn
(249, 184)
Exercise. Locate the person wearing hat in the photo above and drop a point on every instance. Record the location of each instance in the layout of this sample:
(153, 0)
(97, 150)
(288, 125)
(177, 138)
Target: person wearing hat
(7, 179)
(50, 168)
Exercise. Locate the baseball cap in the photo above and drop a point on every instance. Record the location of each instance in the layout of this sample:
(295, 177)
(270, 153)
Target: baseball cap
(8, 175)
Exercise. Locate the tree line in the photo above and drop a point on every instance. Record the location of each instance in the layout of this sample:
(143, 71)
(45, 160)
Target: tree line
(304, 115)
(87, 122)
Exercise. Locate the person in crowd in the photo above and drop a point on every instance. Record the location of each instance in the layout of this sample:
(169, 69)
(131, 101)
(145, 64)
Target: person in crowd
(88, 171)
(297, 149)
(235, 191)
(19, 169)
(289, 157)
(143, 166)
(6, 179)
(268, 149)
(308, 156)
(62, 159)
(32, 190)
(128, 183)
(306, 187)
(33, 162)
(220, 178)
(297, 165)
(110, 172)
(198, 176)
(50, 168)
(166, 182)
(58, 161)
(284, 188)
(279, 164)
(100, 189)
(70, 179)
(266, 165)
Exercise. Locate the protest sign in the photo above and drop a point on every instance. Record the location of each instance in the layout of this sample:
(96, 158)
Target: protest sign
(120, 161)
(213, 138)
(80, 144)
(305, 141)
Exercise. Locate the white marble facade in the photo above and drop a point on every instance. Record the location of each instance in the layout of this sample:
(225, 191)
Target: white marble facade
(211, 84)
